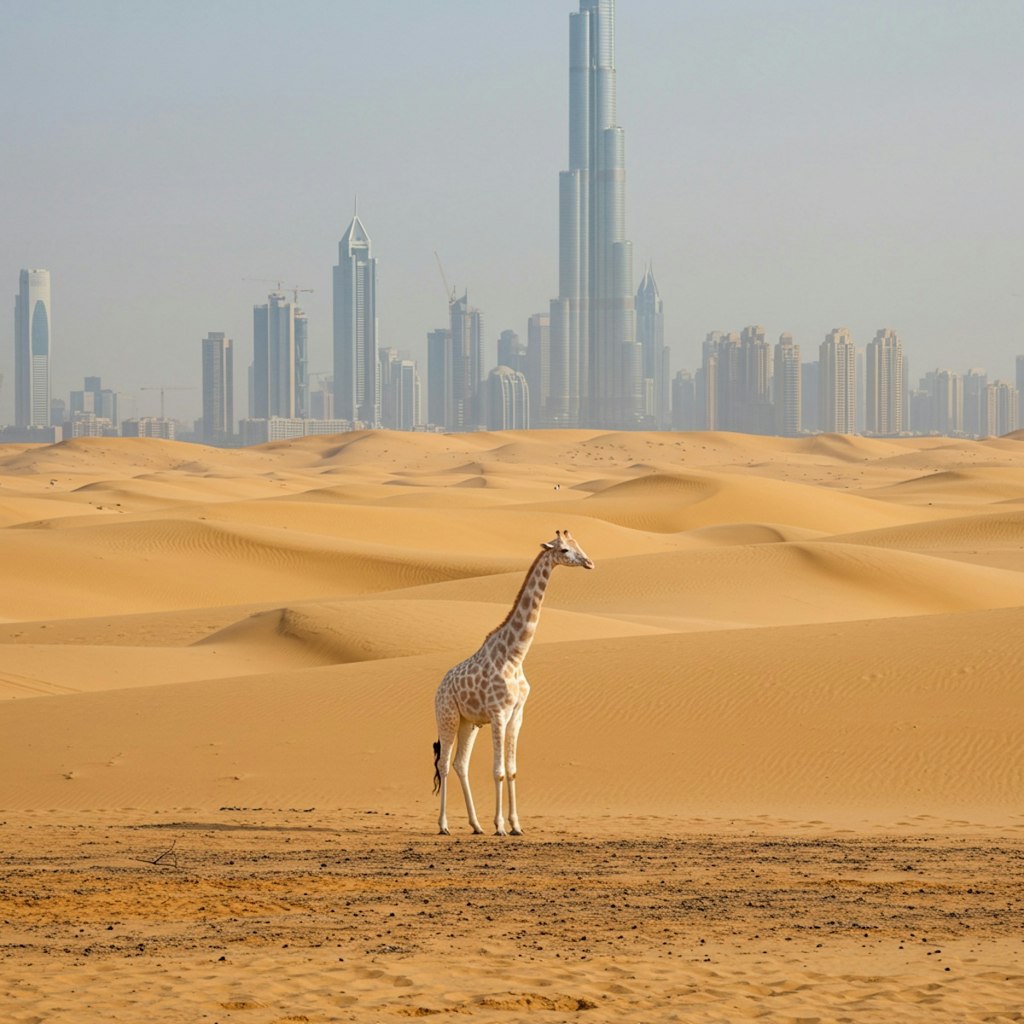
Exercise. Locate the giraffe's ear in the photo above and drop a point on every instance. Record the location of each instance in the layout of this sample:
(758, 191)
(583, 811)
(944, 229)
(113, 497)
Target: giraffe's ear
(547, 545)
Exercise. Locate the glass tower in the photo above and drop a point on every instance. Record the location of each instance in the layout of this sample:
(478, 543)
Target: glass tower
(356, 358)
(33, 325)
(593, 317)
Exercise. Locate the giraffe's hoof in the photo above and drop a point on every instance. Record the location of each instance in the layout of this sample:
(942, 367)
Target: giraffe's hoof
(516, 832)
(444, 832)
(478, 831)
(501, 832)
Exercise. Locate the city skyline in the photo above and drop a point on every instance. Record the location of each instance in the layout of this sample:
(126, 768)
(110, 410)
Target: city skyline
(781, 192)
(738, 386)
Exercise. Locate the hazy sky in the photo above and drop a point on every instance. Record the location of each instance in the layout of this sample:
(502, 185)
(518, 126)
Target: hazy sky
(802, 164)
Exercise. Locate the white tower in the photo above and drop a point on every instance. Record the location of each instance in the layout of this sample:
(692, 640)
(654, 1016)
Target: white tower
(33, 326)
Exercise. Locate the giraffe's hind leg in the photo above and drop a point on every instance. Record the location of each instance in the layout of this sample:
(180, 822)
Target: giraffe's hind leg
(447, 726)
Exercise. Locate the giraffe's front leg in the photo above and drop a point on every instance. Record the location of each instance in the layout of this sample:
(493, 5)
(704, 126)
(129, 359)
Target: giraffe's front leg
(467, 737)
(498, 729)
(511, 740)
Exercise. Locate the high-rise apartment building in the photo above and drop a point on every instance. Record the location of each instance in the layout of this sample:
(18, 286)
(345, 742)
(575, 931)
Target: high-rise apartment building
(885, 398)
(754, 398)
(837, 383)
(937, 407)
(684, 401)
(218, 388)
(399, 391)
(1002, 403)
(787, 387)
(511, 352)
(592, 319)
(975, 407)
(356, 391)
(809, 404)
(538, 366)
(94, 399)
(507, 400)
(275, 372)
(33, 327)
(716, 380)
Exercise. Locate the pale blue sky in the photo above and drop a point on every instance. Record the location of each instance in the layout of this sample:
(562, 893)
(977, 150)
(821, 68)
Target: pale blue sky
(798, 164)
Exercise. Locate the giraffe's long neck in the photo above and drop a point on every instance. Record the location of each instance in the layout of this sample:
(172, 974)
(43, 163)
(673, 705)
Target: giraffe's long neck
(516, 632)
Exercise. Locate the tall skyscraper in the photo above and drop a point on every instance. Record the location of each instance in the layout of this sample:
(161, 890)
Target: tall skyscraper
(975, 407)
(756, 415)
(650, 335)
(787, 387)
(356, 362)
(467, 339)
(274, 354)
(716, 381)
(885, 400)
(440, 379)
(301, 364)
(947, 403)
(684, 401)
(538, 366)
(837, 383)
(218, 388)
(593, 317)
(33, 327)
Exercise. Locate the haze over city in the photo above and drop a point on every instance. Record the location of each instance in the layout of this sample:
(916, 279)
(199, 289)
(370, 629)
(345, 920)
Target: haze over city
(798, 165)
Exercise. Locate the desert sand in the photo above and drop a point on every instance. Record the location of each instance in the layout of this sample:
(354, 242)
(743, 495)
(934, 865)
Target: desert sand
(772, 764)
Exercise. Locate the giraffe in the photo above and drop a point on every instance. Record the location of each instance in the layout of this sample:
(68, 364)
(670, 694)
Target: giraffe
(489, 688)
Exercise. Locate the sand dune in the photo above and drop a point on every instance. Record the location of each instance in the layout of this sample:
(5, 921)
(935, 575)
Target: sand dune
(685, 501)
(875, 720)
(774, 744)
(155, 578)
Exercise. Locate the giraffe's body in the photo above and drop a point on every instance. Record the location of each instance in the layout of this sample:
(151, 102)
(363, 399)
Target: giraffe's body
(489, 688)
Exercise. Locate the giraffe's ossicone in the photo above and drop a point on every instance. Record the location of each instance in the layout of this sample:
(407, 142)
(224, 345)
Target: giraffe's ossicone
(489, 688)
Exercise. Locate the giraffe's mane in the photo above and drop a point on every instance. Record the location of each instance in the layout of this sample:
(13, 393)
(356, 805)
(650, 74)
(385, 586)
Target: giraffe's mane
(515, 604)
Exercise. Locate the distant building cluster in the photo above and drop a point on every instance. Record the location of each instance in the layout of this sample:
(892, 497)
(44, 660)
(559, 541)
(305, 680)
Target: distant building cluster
(597, 357)
(743, 384)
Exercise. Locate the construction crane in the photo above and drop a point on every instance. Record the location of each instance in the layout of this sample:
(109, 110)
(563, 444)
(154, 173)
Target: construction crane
(280, 286)
(166, 387)
(449, 293)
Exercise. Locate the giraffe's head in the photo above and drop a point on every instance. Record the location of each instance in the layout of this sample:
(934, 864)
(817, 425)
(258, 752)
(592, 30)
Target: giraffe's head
(567, 551)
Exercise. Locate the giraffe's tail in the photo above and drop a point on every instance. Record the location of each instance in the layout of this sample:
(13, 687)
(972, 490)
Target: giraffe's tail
(437, 770)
